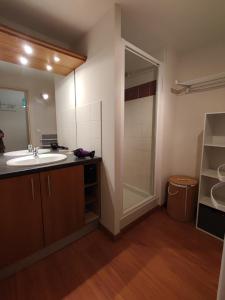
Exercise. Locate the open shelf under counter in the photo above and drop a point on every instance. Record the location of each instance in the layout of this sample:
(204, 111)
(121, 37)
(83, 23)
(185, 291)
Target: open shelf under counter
(89, 199)
(90, 217)
(92, 192)
(91, 184)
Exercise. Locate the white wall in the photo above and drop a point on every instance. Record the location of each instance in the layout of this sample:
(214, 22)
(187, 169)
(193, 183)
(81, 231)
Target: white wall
(189, 109)
(138, 143)
(96, 81)
(65, 110)
(181, 119)
(165, 122)
(41, 113)
(89, 127)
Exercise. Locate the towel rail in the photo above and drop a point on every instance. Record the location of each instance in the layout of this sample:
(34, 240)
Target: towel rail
(199, 84)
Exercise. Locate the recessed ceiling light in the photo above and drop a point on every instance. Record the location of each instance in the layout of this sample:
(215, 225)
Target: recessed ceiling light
(45, 96)
(23, 60)
(56, 58)
(28, 49)
(48, 67)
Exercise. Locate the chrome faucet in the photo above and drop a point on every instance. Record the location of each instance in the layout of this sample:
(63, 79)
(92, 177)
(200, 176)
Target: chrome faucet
(30, 148)
(35, 151)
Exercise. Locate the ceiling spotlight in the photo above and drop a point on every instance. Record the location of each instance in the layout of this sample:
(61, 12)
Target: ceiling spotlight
(56, 59)
(23, 60)
(45, 96)
(28, 49)
(48, 67)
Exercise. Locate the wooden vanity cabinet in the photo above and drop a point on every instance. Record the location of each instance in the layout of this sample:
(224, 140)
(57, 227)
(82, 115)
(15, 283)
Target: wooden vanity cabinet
(63, 202)
(21, 225)
(39, 209)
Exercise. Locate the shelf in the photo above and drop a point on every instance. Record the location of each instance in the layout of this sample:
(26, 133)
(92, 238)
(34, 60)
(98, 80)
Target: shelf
(52, 139)
(206, 201)
(215, 145)
(209, 173)
(218, 196)
(211, 194)
(91, 184)
(90, 199)
(90, 217)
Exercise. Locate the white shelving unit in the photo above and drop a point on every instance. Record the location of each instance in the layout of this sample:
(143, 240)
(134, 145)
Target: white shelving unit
(211, 217)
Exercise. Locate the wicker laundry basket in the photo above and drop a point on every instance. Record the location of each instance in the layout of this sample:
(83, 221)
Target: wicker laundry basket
(182, 198)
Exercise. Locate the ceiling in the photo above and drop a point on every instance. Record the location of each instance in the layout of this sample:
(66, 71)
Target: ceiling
(151, 24)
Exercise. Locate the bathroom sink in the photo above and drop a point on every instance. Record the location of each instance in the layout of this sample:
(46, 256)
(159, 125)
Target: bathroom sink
(41, 159)
(25, 152)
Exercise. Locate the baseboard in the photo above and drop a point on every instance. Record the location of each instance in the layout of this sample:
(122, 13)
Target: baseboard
(133, 215)
(139, 219)
(109, 234)
(130, 225)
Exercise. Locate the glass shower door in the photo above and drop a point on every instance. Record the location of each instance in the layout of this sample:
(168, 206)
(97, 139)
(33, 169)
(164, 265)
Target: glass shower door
(139, 130)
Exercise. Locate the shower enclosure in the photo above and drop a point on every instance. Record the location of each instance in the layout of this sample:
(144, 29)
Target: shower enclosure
(139, 130)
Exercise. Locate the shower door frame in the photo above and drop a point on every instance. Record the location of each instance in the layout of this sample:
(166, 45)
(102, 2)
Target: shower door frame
(155, 199)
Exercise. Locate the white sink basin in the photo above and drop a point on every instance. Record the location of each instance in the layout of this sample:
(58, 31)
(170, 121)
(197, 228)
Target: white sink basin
(25, 152)
(42, 159)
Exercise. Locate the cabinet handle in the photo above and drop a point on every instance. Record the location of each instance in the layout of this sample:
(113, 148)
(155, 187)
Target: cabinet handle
(32, 188)
(49, 186)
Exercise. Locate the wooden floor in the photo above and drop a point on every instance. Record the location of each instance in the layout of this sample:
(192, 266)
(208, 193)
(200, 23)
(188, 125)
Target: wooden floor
(157, 259)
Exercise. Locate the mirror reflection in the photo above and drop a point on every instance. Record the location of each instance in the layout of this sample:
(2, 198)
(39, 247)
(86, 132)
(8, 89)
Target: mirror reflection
(27, 107)
(13, 116)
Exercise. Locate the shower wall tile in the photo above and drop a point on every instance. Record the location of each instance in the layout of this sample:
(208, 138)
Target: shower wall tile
(138, 143)
(141, 91)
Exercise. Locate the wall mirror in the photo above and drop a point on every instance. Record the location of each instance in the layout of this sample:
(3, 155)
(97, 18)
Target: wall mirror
(31, 72)
(27, 106)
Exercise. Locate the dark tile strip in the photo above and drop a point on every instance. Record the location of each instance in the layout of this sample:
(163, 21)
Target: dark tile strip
(140, 91)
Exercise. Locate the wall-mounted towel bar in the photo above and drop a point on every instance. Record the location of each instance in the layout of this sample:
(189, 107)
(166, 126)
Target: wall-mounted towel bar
(199, 84)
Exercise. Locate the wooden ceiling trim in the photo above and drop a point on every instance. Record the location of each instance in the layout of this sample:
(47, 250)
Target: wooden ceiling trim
(11, 43)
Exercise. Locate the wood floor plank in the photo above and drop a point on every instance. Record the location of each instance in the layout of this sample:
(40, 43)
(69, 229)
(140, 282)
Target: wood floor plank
(157, 259)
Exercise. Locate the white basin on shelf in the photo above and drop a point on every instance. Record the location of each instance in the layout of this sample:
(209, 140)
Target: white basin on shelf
(25, 152)
(42, 159)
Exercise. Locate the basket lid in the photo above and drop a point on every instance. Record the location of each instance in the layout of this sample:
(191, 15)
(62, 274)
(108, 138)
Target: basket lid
(183, 180)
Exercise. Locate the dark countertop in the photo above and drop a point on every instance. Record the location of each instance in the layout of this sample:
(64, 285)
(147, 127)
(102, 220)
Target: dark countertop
(11, 171)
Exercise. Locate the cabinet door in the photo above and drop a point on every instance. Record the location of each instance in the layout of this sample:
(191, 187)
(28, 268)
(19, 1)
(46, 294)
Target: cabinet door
(21, 225)
(63, 202)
